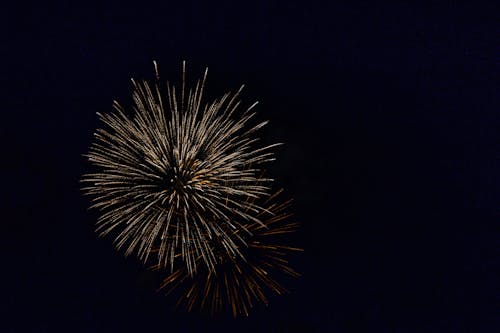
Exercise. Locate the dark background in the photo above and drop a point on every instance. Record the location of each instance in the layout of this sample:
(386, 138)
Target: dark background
(387, 112)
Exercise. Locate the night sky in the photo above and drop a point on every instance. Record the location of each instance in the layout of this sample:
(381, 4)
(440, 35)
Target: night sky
(389, 117)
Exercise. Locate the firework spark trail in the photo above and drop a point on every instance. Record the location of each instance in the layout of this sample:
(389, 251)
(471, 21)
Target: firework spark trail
(238, 283)
(178, 172)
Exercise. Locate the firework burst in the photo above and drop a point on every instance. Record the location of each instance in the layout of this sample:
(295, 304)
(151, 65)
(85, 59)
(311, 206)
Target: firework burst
(237, 283)
(177, 174)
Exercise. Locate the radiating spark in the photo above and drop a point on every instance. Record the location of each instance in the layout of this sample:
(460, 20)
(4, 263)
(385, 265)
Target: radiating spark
(175, 174)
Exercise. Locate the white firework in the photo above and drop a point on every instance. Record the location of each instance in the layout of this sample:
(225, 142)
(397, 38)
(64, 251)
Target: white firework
(171, 175)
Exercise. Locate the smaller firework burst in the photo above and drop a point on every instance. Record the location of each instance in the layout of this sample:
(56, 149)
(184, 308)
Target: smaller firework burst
(237, 282)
